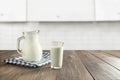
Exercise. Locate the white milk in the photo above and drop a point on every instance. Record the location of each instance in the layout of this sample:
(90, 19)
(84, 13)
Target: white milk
(31, 49)
(56, 57)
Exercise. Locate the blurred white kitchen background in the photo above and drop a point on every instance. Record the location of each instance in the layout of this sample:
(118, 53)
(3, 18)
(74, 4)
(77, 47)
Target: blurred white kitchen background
(76, 35)
(81, 24)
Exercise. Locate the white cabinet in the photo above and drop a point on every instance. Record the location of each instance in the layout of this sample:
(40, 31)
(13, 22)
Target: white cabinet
(108, 10)
(60, 10)
(12, 10)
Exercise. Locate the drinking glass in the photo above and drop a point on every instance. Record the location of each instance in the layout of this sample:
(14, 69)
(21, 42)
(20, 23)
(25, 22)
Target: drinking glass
(56, 54)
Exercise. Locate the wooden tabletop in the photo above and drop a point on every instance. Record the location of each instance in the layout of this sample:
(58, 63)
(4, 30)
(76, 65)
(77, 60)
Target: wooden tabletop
(77, 65)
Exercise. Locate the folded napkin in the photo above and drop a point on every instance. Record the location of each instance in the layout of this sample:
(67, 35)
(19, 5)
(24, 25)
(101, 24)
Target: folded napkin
(19, 61)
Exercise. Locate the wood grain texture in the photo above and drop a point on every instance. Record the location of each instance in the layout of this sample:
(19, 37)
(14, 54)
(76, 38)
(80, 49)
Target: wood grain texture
(99, 69)
(77, 65)
(110, 59)
(115, 53)
(73, 69)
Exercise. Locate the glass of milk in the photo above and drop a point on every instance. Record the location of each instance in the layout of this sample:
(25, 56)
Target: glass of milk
(56, 54)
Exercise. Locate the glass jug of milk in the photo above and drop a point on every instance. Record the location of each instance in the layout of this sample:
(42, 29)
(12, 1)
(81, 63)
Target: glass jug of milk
(56, 54)
(31, 48)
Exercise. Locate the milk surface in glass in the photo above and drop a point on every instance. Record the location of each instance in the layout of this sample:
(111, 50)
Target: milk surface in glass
(56, 55)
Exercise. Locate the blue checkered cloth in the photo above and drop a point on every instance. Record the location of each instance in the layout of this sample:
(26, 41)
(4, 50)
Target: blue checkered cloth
(19, 61)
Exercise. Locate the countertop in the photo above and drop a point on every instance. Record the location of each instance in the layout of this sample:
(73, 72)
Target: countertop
(77, 65)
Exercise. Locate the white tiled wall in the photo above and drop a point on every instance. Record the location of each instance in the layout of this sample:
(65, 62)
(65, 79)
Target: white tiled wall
(76, 35)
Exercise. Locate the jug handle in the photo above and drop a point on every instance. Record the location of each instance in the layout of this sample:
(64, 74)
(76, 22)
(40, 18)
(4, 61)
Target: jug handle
(18, 44)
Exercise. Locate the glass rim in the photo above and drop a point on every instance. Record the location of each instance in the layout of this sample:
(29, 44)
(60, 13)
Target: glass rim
(57, 43)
